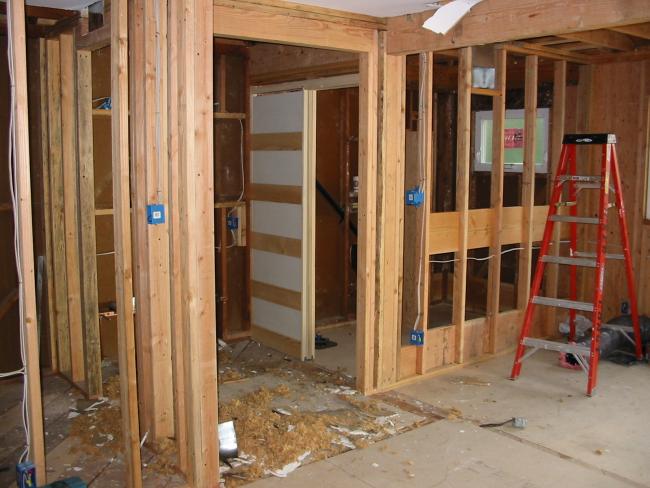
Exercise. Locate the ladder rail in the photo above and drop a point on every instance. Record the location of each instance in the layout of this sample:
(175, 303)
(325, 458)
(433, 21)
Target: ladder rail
(625, 241)
(573, 242)
(539, 269)
(599, 277)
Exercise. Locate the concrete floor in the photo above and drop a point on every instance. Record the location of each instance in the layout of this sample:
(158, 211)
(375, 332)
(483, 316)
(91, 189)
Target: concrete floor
(570, 440)
(343, 355)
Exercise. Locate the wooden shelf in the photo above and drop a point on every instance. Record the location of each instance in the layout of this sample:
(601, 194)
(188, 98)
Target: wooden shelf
(486, 91)
(101, 112)
(230, 204)
(229, 115)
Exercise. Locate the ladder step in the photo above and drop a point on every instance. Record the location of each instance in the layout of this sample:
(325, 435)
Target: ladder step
(556, 346)
(623, 328)
(588, 186)
(574, 219)
(588, 263)
(562, 303)
(581, 178)
(581, 254)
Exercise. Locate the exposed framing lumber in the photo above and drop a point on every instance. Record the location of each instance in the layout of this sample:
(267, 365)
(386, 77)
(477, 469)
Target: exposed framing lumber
(25, 236)
(294, 9)
(638, 30)
(148, 89)
(462, 196)
(426, 148)
(47, 204)
(95, 39)
(56, 211)
(122, 241)
(603, 38)
(547, 52)
(528, 182)
(195, 44)
(276, 193)
(392, 219)
(365, 330)
(286, 246)
(88, 247)
(496, 198)
(492, 22)
(242, 20)
(71, 203)
(175, 236)
(308, 309)
(239, 23)
(557, 133)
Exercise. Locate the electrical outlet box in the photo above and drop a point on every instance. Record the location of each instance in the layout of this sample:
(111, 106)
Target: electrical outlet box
(155, 214)
(239, 231)
(232, 222)
(414, 197)
(26, 475)
(417, 338)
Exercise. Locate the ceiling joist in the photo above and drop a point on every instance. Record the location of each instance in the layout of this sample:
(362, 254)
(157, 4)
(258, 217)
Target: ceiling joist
(637, 30)
(603, 38)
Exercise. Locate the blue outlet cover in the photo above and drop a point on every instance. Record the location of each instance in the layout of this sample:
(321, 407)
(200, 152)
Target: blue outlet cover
(232, 223)
(155, 214)
(414, 197)
(417, 338)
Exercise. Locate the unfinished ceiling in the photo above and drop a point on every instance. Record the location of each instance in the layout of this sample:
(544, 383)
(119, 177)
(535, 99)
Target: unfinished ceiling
(63, 4)
(376, 8)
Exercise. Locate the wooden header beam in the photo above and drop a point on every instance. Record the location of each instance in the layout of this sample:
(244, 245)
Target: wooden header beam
(313, 12)
(243, 20)
(496, 21)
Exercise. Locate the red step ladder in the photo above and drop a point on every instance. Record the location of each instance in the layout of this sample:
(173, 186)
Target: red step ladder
(609, 180)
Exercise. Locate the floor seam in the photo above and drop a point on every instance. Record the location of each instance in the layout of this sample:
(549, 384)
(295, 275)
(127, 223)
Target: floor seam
(566, 457)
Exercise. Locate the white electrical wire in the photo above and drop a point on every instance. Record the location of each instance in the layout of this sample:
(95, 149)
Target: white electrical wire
(422, 179)
(13, 183)
(243, 187)
(487, 258)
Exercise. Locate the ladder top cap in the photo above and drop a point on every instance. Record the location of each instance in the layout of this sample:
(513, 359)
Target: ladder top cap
(589, 139)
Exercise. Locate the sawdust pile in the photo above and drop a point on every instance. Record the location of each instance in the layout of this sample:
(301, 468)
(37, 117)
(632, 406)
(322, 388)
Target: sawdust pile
(274, 439)
(100, 428)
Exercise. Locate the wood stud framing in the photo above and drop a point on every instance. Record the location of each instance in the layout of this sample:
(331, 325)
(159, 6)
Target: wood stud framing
(462, 195)
(392, 218)
(25, 237)
(426, 147)
(122, 241)
(71, 203)
(148, 104)
(557, 134)
(528, 182)
(496, 197)
(88, 248)
(195, 32)
(172, 157)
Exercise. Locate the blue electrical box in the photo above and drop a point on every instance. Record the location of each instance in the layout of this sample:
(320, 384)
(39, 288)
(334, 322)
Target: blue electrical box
(26, 475)
(232, 222)
(414, 197)
(155, 214)
(417, 338)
